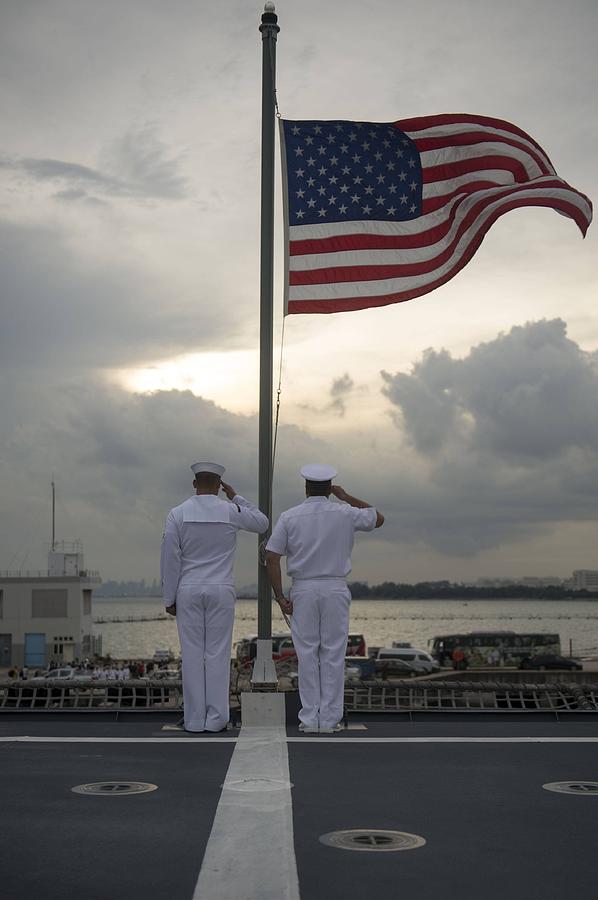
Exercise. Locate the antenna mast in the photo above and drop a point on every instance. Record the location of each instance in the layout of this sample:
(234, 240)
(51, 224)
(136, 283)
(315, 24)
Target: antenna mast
(53, 514)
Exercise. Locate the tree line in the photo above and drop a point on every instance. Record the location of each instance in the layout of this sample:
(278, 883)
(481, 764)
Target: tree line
(446, 590)
(389, 590)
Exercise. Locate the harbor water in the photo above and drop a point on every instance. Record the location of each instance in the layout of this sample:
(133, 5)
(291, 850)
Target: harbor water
(381, 621)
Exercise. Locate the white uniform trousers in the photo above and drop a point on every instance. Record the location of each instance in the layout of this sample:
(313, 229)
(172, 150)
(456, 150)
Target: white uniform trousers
(320, 627)
(205, 614)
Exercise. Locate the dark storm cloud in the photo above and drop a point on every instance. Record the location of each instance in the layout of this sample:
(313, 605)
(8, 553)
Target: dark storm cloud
(121, 461)
(58, 311)
(340, 388)
(138, 165)
(528, 394)
(508, 438)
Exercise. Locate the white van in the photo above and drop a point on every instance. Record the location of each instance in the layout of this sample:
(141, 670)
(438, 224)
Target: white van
(421, 660)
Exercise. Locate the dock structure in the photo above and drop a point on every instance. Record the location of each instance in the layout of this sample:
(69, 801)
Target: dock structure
(46, 615)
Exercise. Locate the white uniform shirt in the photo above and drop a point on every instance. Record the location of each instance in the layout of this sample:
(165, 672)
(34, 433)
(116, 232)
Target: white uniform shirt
(317, 537)
(198, 546)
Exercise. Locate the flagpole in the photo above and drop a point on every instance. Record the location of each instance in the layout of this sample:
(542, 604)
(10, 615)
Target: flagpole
(264, 671)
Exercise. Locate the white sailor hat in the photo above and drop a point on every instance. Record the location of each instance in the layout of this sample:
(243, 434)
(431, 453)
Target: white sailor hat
(318, 472)
(212, 468)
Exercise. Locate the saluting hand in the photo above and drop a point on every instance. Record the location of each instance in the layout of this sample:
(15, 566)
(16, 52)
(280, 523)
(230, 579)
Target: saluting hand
(228, 490)
(339, 492)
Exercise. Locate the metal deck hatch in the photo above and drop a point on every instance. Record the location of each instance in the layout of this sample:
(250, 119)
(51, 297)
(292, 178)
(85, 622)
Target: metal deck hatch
(581, 788)
(114, 788)
(372, 840)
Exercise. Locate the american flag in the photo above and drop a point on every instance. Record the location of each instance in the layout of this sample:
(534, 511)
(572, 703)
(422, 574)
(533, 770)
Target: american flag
(378, 213)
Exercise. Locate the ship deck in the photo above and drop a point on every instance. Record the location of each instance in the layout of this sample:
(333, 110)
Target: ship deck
(470, 785)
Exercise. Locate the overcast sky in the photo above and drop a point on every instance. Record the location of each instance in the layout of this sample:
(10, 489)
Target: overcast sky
(129, 260)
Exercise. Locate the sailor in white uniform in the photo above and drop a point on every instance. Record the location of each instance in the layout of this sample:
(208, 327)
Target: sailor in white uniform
(196, 564)
(317, 539)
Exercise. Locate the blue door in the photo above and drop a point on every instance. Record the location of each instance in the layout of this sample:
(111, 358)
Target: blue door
(35, 649)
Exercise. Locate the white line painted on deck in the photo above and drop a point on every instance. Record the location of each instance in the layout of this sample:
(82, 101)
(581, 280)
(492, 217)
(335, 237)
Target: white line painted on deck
(442, 740)
(250, 853)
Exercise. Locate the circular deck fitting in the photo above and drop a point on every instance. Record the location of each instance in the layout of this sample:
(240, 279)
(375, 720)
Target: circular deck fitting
(114, 788)
(372, 839)
(581, 788)
(253, 785)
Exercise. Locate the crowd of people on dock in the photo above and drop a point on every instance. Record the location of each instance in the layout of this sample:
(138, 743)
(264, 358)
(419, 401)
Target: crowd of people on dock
(98, 669)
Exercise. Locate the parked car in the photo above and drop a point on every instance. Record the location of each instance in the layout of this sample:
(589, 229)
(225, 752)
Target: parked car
(550, 661)
(421, 661)
(352, 673)
(165, 674)
(394, 668)
(360, 667)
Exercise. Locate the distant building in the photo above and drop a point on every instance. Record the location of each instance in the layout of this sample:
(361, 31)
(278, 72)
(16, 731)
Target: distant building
(534, 581)
(585, 579)
(46, 616)
(541, 581)
(494, 582)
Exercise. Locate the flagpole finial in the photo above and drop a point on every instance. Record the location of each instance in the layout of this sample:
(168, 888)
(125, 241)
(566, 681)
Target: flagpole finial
(269, 18)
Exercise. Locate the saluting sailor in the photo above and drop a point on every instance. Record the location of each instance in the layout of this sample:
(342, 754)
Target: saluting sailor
(317, 539)
(196, 564)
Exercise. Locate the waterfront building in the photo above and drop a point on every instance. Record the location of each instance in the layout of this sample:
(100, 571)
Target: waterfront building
(585, 579)
(46, 616)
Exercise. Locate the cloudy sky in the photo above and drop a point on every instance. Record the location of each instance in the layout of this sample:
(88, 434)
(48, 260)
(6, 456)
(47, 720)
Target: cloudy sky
(129, 261)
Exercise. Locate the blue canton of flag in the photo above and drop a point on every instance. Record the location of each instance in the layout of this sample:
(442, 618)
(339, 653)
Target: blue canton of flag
(350, 171)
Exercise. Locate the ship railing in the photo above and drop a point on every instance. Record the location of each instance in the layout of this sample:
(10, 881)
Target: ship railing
(102, 694)
(460, 696)
(161, 694)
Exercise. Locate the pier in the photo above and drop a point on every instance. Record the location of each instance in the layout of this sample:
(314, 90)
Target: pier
(105, 620)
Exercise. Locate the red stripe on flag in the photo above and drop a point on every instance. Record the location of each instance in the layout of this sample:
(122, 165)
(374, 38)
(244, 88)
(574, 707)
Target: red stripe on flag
(481, 137)
(431, 204)
(420, 123)
(476, 163)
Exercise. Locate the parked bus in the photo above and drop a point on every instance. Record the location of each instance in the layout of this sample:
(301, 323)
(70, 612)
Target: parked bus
(488, 648)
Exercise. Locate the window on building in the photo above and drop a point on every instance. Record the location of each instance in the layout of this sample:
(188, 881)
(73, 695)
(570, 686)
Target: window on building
(86, 603)
(1, 604)
(49, 603)
(60, 641)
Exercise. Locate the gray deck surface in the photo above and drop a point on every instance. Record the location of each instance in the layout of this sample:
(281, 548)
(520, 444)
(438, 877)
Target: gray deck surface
(491, 830)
